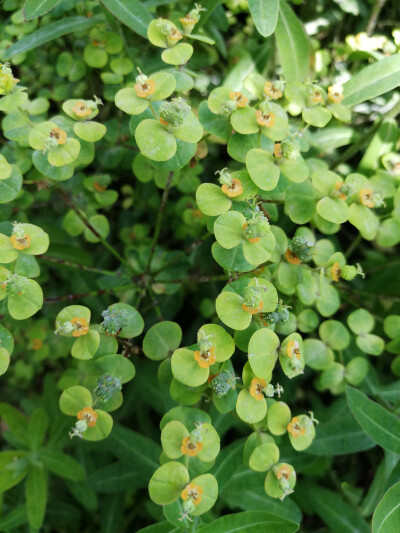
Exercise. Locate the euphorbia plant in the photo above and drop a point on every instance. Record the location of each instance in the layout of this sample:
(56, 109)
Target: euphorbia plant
(194, 269)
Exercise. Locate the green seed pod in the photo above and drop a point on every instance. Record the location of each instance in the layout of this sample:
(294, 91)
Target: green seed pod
(278, 417)
(252, 297)
(302, 248)
(114, 321)
(223, 383)
(107, 386)
(174, 112)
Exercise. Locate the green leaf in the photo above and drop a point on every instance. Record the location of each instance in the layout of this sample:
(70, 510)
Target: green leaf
(292, 44)
(36, 8)
(90, 131)
(249, 409)
(51, 31)
(62, 464)
(132, 13)
(167, 483)
(265, 15)
(262, 169)
(372, 81)
(186, 369)
(335, 512)
(211, 200)
(381, 425)
(16, 421)
(86, 346)
(154, 141)
(230, 311)
(339, 436)
(74, 399)
(161, 340)
(264, 456)
(10, 187)
(38, 425)
(22, 306)
(135, 324)
(177, 55)
(210, 493)
(102, 429)
(386, 517)
(228, 229)
(250, 522)
(172, 436)
(36, 495)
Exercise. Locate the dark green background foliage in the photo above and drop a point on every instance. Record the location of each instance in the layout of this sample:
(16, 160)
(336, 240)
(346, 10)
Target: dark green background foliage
(213, 195)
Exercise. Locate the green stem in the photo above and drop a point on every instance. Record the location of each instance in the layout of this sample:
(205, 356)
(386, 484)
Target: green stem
(82, 295)
(355, 147)
(160, 217)
(353, 246)
(153, 111)
(103, 241)
(86, 268)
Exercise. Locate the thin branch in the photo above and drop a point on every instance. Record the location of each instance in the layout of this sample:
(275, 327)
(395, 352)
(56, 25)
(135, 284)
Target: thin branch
(85, 268)
(84, 219)
(160, 217)
(82, 295)
(374, 16)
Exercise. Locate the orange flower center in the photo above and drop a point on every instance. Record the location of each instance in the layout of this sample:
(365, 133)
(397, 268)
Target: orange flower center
(88, 414)
(278, 150)
(291, 257)
(81, 327)
(234, 189)
(265, 119)
(145, 89)
(239, 98)
(335, 271)
(366, 197)
(271, 91)
(21, 244)
(81, 110)
(98, 187)
(59, 135)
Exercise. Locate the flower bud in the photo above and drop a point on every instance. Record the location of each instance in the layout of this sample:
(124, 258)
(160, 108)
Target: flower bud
(290, 149)
(174, 112)
(107, 386)
(223, 383)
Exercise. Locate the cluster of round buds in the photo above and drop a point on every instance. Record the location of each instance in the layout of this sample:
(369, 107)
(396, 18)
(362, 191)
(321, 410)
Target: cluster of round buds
(107, 386)
(192, 18)
(169, 30)
(279, 315)
(343, 190)
(259, 387)
(144, 86)
(84, 108)
(205, 355)
(57, 137)
(7, 80)
(347, 272)
(300, 250)
(274, 89)
(253, 299)
(193, 444)
(264, 116)
(369, 199)
(14, 284)
(114, 321)
(316, 95)
(256, 227)
(223, 382)
(290, 149)
(75, 327)
(87, 418)
(173, 113)
(191, 496)
(232, 187)
(335, 94)
(19, 239)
